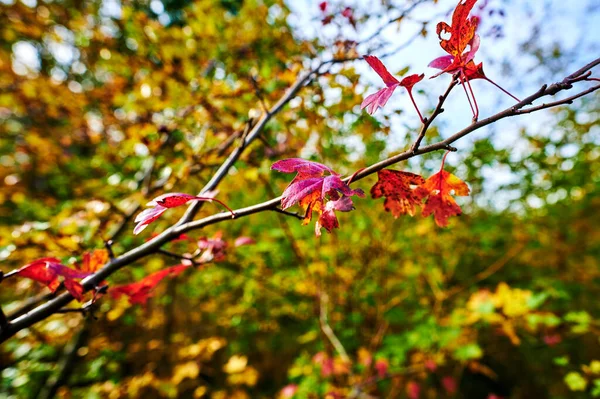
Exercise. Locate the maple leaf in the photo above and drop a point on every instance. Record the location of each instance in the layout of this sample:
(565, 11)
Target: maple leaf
(327, 219)
(311, 186)
(48, 270)
(94, 260)
(395, 186)
(140, 291)
(381, 97)
(438, 190)
(462, 30)
(462, 34)
(171, 200)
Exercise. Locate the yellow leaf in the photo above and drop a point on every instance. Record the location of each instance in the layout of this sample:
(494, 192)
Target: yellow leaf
(236, 364)
(185, 370)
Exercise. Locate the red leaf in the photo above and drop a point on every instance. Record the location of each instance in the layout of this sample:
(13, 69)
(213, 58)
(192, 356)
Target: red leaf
(323, 6)
(473, 71)
(411, 80)
(140, 291)
(74, 288)
(302, 166)
(328, 220)
(38, 271)
(395, 186)
(462, 30)
(381, 70)
(312, 187)
(442, 62)
(438, 190)
(48, 270)
(172, 200)
(462, 34)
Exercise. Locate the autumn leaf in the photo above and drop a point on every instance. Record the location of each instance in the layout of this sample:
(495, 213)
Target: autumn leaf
(140, 291)
(462, 35)
(439, 190)
(381, 97)
(398, 189)
(328, 220)
(94, 260)
(171, 200)
(462, 30)
(313, 185)
(48, 270)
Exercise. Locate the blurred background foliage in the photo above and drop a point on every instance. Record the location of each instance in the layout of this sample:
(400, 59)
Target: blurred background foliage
(106, 104)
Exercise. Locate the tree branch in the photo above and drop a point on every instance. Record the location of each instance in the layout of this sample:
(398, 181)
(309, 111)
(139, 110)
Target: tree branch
(438, 110)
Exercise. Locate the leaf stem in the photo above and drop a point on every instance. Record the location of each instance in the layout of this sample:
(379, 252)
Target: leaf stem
(415, 104)
(501, 88)
(462, 80)
(208, 199)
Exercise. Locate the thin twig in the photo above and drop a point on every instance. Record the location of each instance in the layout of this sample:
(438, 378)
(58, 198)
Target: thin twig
(328, 331)
(438, 110)
(292, 214)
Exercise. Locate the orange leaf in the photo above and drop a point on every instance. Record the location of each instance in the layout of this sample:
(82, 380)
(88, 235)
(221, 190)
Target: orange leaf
(94, 260)
(439, 189)
(462, 30)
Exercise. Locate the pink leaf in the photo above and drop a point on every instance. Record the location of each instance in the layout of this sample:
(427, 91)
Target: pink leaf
(311, 188)
(289, 391)
(240, 241)
(302, 166)
(378, 100)
(146, 217)
(441, 62)
(171, 200)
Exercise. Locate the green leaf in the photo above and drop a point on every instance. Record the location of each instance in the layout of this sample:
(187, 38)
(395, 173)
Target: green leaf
(575, 381)
(561, 361)
(468, 352)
